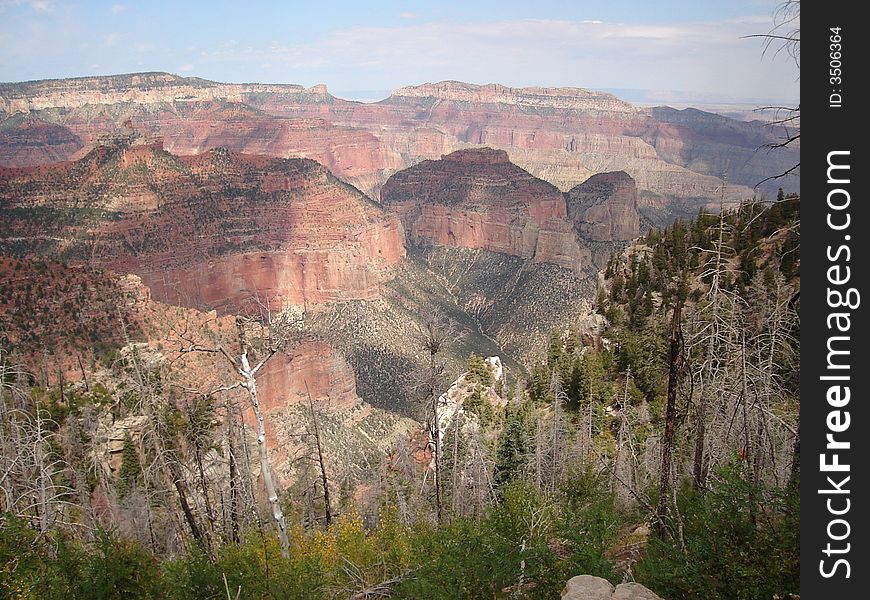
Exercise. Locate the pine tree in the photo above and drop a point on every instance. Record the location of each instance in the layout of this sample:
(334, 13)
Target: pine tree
(130, 473)
(512, 451)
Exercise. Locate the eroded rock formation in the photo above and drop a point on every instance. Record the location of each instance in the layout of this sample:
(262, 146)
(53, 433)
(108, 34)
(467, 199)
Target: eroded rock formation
(562, 135)
(208, 231)
(604, 208)
(477, 198)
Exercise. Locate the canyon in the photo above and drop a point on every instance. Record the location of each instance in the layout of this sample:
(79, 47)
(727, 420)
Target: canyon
(561, 135)
(506, 255)
(134, 207)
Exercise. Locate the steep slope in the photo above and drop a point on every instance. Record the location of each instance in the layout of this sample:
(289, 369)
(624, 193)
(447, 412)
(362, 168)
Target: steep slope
(353, 432)
(562, 135)
(578, 131)
(712, 144)
(501, 254)
(208, 231)
(27, 141)
(604, 211)
(222, 231)
(478, 199)
(507, 248)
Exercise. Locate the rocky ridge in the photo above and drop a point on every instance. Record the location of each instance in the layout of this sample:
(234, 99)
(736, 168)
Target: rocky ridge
(548, 98)
(562, 135)
(208, 231)
(135, 88)
(477, 198)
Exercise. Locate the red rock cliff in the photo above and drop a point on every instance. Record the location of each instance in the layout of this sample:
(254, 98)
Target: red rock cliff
(210, 231)
(477, 198)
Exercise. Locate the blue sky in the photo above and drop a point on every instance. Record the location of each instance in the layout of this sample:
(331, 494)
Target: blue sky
(672, 47)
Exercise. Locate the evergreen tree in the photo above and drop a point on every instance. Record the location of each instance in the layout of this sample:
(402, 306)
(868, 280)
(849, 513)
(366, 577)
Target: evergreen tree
(512, 451)
(130, 473)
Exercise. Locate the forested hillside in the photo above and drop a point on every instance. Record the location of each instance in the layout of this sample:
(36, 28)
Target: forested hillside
(658, 443)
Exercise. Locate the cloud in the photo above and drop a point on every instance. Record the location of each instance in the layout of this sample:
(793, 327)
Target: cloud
(117, 9)
(704, 57)
(42, 6)
(142, 46)
(408, 15)
(186, 68)
(111, 39)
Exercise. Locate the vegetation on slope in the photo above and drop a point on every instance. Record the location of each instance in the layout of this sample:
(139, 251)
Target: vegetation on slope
(541, 479)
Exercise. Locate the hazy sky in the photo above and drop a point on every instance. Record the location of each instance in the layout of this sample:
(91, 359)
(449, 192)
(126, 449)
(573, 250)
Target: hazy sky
(691, 47)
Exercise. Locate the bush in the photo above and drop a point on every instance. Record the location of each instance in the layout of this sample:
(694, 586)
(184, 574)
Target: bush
(478, 371)
(53, 567)
(742, 543)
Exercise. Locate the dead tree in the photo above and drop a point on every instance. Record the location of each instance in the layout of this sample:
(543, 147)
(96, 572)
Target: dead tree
(435, 332)
(327, 507)
(272, 343)
(30, 486)
(784, 36)
(233, 476)
(670, 418)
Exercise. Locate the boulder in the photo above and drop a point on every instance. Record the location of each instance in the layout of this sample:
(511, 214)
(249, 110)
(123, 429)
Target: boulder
(633, 591)
(589, 587)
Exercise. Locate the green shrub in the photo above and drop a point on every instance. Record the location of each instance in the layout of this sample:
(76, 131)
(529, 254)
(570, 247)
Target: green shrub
(741, 543)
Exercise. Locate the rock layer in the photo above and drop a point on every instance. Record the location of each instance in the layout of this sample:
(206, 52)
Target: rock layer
(29, 141)
(562, 135)
(604, 208)
(314, 380)
(478, 199)
(210, 231)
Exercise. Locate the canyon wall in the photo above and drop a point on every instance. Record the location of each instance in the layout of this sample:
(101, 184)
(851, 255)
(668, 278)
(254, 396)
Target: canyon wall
(207, 231)
(478, 199)
(562, 135)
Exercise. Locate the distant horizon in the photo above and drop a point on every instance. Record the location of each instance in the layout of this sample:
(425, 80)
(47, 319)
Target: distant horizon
(679, 99)
(684, 50)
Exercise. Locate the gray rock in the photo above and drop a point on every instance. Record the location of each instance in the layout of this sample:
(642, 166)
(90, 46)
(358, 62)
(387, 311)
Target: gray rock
(587, 587)
(633, 591)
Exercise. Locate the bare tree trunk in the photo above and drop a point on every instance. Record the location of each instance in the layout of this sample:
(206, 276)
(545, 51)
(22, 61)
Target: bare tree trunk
(794, 480)
(203, 483)
(698, 471)
(181, 489)
(539, 453)
(84, 374)
(234, 492)
(556, 400)
(670, 420)
(455, 467)
(434, 346)
(435, 335)
(247, 374)
(250, 385)
(436, 452)
(327, 509)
